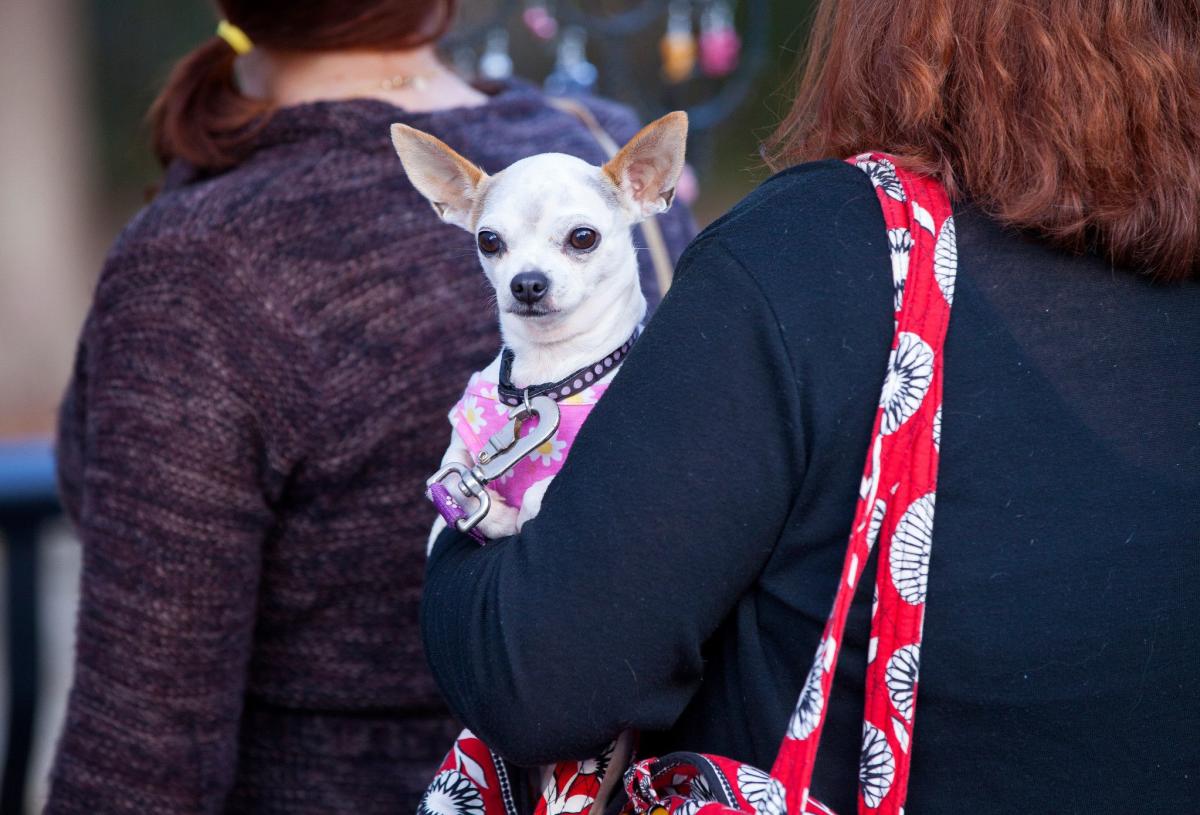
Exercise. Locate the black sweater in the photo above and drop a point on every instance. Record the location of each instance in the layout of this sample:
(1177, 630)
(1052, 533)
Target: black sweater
(685, 559)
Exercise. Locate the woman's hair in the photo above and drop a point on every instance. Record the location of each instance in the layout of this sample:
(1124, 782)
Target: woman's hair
(202, 118)
(1078, 120)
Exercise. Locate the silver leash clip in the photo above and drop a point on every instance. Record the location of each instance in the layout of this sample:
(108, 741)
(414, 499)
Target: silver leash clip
(504, 449)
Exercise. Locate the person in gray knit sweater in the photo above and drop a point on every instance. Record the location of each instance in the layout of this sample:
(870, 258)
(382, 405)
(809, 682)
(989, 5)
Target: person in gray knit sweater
(260, 391)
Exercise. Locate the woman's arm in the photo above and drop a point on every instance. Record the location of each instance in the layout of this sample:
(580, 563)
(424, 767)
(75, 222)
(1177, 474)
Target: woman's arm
(173, 453)
(549, 643)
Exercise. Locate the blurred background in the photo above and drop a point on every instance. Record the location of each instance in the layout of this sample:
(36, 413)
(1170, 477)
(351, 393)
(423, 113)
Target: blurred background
(76, 77)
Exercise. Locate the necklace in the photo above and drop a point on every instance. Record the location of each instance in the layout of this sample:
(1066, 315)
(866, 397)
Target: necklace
(568, 385)
(417, 82)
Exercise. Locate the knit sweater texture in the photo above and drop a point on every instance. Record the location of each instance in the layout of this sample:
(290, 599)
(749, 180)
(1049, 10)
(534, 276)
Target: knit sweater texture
(260, 391)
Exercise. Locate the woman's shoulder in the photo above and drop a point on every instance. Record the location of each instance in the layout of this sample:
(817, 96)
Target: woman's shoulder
(521, 120)
(618, 120)
(810, 231)
(810, 202)
(190, 250)
(170, 246)
(193, 207)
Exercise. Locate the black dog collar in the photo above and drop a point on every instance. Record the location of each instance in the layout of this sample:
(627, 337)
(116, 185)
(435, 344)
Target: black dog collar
(568, 385)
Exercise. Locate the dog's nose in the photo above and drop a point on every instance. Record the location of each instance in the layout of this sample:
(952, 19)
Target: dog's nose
(529, 287)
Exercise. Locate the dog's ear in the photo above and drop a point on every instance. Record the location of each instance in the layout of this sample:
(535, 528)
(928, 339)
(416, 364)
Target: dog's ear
(450, 182)
(648, 168)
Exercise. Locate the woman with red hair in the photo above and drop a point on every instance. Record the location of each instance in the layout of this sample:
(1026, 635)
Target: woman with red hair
(693, 543)
(259, 394)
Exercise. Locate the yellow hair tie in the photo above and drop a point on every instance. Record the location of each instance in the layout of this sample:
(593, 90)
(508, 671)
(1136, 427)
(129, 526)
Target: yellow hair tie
(236, 38)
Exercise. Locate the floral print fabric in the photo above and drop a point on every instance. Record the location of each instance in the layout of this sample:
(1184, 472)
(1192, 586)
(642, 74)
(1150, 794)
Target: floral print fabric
(480, 413)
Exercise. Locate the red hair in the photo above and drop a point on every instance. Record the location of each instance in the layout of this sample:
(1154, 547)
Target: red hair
(1078, 120)
(202, 118)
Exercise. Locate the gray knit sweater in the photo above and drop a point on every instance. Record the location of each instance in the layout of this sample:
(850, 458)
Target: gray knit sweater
(260, 391)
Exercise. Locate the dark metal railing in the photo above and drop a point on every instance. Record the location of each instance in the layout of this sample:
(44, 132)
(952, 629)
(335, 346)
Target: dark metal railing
(28, 498)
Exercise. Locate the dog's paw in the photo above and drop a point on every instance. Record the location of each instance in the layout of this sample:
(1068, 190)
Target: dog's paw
(501, 520)
(531, 502)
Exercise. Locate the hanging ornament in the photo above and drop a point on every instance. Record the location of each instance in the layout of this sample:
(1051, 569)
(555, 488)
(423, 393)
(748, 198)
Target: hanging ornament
(496, 64)
(720, 45)
(540, 20)
(678, 45)
(687, 188)
(572, 73)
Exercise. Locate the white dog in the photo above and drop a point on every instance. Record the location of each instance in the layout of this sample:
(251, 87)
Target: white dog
(554, 236)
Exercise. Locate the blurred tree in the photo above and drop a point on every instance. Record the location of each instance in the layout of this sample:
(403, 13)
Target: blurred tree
(133, 44)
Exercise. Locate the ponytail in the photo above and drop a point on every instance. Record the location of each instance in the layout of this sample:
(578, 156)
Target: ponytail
(201, 117)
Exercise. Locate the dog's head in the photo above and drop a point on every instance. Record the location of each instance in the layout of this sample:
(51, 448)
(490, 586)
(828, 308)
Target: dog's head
(552, 231)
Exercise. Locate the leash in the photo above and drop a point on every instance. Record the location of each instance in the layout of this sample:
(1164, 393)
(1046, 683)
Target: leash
(504, 449)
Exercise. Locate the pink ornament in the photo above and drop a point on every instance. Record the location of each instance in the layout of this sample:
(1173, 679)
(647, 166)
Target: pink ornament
(719, 51)
(540, 22)
(687, 189)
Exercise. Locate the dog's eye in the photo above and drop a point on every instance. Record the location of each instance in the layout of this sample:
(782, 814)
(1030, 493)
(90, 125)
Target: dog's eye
(489, 242)
(584, 238)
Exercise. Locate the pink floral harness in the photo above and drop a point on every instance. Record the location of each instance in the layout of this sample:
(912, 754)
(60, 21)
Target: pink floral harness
(480, 413)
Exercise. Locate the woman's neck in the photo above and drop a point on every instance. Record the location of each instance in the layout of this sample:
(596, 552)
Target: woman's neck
(413, 79)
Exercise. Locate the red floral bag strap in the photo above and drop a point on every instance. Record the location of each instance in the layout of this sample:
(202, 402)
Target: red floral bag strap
(895, 507)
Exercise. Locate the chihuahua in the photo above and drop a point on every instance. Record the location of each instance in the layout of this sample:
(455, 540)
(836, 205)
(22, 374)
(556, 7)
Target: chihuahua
(554, 236)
